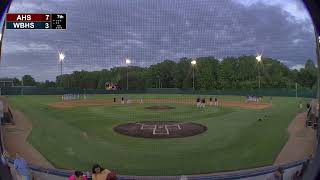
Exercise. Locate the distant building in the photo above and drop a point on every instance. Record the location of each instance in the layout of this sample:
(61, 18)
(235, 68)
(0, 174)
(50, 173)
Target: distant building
(6, 82)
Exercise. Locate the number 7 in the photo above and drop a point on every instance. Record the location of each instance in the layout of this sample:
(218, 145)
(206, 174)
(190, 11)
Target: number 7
(47, 16)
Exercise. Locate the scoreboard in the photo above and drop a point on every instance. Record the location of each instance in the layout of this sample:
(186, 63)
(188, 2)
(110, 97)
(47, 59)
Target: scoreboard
(36, 21)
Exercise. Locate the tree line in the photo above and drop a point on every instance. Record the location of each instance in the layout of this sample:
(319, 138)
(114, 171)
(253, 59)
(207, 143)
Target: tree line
(209, 73)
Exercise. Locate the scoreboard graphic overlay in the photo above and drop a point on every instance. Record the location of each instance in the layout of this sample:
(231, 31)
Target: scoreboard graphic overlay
(36, 21)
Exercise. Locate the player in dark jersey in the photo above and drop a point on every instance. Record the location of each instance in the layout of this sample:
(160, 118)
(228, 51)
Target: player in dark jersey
(203, 102)
(198, 102)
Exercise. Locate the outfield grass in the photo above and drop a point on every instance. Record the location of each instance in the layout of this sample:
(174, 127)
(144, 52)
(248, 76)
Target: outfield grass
(234, 139)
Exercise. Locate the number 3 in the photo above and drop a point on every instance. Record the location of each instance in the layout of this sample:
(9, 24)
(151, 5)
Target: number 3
(47, 25)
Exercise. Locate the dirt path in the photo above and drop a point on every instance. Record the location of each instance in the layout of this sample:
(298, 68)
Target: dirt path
(301, 143)
(15, 137)
(98, 102)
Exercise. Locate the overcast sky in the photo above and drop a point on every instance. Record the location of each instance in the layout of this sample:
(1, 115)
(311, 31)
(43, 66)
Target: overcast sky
(101, 33)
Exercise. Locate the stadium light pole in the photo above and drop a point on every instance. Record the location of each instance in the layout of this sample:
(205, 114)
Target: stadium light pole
(193, 63)
(128, 62)
(61, 59)
(259, 59)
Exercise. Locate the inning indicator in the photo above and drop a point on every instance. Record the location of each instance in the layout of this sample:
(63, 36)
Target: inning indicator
(36, 21)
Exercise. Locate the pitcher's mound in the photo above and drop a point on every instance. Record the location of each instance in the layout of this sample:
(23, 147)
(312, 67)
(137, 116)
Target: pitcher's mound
(159, 107)
(160, 129)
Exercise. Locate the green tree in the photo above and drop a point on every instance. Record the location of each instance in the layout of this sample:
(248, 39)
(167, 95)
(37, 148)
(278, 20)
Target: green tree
(28, 80)
(308, 75)
(207, 73)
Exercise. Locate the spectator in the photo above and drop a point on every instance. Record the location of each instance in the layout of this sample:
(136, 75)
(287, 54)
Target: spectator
(21, 167)
(4, 158)
(112, 176)
(295, 176)
(299, 174)
(99, 173)
(78, 175)
(277, 175)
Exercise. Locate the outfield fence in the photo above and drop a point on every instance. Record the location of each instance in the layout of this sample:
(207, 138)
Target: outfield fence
(302, 92)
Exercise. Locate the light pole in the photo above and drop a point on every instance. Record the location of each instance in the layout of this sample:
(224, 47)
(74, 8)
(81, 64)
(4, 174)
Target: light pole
(22, 85)
(193, 63)
(259, 58)
(128, 62)
(159, 82)
(61, 59)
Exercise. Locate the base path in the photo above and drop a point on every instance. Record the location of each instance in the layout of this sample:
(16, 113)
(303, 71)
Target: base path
(15, 137)
(301, 143)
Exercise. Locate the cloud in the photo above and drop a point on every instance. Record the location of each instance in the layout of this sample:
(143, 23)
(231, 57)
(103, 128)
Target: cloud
(297, 66)
(15, 47)
(294, 7)
(28, 7)
(297, 41)
(149, 32)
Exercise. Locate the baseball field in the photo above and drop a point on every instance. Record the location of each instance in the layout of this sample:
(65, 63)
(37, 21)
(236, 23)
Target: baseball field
(76, 134)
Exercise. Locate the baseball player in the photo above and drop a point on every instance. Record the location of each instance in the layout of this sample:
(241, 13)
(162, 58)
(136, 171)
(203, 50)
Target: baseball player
(203, 102)
(198, 102)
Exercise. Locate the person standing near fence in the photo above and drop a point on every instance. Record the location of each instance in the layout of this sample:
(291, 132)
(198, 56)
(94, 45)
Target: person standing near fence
(4, 160)
(78, 175)
(21, 168)
(99, 173)
(277, 175)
